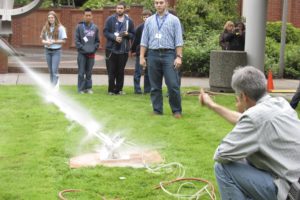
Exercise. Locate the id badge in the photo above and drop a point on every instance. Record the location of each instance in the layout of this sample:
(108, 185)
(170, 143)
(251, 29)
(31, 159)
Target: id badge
(85, 39)
(116, 34)
(158, 35)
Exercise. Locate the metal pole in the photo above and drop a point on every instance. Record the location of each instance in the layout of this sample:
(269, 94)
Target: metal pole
(255, 12)
(283, 38)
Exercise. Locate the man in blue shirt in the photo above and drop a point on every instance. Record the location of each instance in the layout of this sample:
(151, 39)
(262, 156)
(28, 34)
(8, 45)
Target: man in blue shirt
(162, 39)
(118, 30)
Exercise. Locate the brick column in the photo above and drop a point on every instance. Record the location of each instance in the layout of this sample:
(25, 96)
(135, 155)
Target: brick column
(3, 61)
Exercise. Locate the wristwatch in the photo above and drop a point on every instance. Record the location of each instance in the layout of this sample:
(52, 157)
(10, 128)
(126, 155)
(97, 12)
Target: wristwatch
(179, 56)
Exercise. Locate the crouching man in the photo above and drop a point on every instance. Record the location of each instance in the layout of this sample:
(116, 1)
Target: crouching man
(260, 158)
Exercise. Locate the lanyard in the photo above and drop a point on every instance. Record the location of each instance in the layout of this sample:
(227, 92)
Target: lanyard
(163, 21)
(88, 30)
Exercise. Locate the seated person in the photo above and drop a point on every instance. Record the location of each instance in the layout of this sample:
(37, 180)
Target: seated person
(259, 158)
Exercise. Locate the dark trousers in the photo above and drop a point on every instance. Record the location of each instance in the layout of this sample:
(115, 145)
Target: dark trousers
(137, 77)
(296, 98)
(85, 68)
(115, 65)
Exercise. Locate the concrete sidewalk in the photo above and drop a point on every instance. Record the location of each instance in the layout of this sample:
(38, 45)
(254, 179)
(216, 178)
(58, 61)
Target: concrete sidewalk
(35, 59)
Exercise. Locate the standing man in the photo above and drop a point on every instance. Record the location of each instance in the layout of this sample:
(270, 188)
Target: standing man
(118, 30)
(162, 39)
(87, 42)
(135, 49)
(259, 158)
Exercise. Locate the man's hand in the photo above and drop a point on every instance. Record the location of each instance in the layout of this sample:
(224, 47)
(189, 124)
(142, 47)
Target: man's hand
(177, 62)
(143, 62)
(132, 54)
(205, 99)
(118, 39)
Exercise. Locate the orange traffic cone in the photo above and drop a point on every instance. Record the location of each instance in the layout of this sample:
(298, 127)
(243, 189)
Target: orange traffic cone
(270, 85)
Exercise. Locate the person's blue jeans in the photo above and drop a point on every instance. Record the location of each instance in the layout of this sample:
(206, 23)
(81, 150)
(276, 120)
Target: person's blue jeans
(53, 60)
(85, 68)
(137, 77)
(296, 98)
(243, 181)
(161, 65)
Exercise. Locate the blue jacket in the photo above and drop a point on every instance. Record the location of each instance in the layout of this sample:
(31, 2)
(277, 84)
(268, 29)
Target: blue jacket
(112, 26)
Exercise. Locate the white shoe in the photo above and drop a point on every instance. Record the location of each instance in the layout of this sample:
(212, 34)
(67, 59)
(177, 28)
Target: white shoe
(56, 87)
(89, 91)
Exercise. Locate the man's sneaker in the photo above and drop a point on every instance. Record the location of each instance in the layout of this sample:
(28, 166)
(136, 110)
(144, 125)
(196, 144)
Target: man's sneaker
(139, 92)
(111, 93)
(121, 93)
(81, 92)
(89, 91)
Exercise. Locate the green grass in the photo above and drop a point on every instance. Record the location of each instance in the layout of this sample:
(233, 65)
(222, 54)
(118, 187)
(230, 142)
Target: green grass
(37, 141)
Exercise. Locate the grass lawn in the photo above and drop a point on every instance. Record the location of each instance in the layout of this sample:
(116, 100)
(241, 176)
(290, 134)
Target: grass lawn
(37, 141)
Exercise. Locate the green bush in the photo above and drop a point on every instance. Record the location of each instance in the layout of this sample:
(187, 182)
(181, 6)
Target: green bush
(274, 31)
(212, 13)
(196, 53)
(96, 4)
(272, 52)
(292, 61)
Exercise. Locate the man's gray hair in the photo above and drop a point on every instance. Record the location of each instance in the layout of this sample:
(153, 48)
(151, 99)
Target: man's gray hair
(250, 81)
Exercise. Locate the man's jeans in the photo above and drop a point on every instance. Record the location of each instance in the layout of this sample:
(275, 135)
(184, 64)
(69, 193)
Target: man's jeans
(242, 181)
(137, 77)
(53, 60)
(161, 65)
(85, 68)
(296, 98)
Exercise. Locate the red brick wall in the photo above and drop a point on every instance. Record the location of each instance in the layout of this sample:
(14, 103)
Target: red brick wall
(3, 63)
(27, 29)
(275, 11)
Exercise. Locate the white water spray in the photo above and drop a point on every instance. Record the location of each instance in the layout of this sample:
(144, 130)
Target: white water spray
(72, 110)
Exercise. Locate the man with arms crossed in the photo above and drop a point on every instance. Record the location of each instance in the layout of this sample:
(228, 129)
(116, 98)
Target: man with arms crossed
(162, 39)
(259, 158)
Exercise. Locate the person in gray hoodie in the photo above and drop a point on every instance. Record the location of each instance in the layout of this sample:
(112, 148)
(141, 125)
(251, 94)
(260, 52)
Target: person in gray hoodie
(87, 42)
(118, 31)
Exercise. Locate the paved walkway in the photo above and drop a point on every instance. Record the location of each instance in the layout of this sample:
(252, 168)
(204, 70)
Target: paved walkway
(34, 57)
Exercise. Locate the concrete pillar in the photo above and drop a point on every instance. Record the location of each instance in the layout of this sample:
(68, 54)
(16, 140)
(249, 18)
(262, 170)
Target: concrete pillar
(222, 65)
(255, 12)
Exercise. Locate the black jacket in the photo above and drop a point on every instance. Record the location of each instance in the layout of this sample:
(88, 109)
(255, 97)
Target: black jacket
(232, 41)
(135, 48)
(111, 27)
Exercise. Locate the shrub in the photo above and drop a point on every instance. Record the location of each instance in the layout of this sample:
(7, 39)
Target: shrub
(196, 53)
(272, 52)
(292, 61)
(274, 31)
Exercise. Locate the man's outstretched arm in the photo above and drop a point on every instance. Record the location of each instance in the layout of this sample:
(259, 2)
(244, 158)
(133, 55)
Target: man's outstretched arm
(229, 115)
